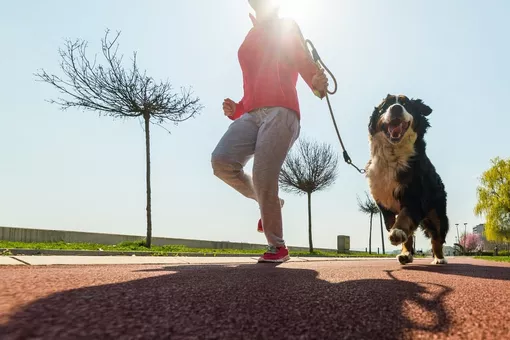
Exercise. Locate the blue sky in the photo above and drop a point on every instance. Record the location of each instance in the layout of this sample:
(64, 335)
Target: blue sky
(74, 170)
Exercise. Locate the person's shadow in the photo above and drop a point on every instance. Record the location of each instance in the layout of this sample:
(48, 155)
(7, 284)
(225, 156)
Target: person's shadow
(242, 302)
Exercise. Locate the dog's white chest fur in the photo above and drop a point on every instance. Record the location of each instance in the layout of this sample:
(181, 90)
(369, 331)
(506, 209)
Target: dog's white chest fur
(386, 160)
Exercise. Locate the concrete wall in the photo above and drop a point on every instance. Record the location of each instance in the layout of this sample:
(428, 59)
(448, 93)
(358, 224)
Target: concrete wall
(42, 235)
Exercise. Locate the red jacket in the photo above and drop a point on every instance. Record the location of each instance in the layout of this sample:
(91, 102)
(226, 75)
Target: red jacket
(271, 57)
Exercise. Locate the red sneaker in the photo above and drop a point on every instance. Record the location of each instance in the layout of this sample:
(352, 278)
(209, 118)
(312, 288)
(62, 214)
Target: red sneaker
(275, 255)
(260, 229)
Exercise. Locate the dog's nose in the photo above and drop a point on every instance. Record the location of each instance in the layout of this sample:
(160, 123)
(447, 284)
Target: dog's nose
(396, 110)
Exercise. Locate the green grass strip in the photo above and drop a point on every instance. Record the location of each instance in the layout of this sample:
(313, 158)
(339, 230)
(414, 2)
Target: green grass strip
(167, 249)
(494, 258)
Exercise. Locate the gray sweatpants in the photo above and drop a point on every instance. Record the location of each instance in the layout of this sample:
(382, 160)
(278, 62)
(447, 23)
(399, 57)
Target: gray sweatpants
(267, 134)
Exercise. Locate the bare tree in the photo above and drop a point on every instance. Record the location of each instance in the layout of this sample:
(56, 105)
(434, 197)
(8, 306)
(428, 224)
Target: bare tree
(312, 167)
(369, 207)
(115, 91)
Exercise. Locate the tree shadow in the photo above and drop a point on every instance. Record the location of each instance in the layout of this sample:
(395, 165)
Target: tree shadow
(495, 272)
(235, 302)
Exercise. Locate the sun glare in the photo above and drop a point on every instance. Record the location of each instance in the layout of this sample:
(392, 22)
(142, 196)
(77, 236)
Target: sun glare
(299, 10)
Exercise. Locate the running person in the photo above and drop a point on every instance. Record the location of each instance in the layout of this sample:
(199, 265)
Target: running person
(266, 122)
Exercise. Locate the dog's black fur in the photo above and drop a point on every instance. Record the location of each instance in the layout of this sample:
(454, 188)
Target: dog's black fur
(403, 180)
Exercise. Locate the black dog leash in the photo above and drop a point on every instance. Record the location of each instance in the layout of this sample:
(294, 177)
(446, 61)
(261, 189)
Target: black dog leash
(317, 59)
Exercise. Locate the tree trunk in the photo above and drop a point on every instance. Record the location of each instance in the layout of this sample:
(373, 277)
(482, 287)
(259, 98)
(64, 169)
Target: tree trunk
(148, 240)
(382, 232)
(310, 242)
(370, 235)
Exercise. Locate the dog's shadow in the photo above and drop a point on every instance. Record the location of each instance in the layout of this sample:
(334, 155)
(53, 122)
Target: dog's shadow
(488, 271)
(242, 302)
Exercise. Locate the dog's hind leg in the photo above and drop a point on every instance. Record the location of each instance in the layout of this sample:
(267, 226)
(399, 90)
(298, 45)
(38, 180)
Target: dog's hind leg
(437, 224)
(406, 256)
(437, 250)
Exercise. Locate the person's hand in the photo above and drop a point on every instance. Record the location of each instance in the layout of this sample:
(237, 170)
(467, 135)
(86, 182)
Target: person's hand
(320, 81)
(229, 107)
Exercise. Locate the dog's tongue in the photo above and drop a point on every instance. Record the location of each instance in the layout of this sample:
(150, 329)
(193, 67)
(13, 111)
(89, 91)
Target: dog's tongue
(395, 130)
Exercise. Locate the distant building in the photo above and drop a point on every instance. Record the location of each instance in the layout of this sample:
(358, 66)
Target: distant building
(448, 251)
(479, 229)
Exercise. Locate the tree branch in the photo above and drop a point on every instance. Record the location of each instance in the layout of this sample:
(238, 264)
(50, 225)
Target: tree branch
(113, 90)
(312, 167)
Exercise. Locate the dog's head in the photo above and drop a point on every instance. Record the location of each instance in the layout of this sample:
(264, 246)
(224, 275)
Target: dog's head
(398, 119)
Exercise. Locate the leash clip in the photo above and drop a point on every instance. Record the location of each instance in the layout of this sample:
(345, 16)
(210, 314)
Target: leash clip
(348, 160)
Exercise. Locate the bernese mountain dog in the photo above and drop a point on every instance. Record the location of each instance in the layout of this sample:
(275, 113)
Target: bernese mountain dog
(402, 179)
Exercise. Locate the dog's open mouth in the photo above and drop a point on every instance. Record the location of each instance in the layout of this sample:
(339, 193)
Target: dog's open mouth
(396, 129)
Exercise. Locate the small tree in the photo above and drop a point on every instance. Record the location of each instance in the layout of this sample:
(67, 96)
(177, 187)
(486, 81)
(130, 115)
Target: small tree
(114, 91)
(369, 207)
(494, 200)
(313, 167)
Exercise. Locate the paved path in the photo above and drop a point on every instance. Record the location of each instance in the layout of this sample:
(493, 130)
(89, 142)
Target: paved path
(466, 299)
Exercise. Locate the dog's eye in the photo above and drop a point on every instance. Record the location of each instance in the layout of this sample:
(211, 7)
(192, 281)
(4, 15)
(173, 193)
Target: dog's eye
(403, 100)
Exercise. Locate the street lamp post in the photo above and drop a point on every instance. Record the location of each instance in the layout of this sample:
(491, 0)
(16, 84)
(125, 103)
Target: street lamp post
(458, 237)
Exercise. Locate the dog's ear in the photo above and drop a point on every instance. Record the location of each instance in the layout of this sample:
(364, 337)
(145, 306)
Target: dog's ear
(383, 101)
(373, 121)
(420, 106)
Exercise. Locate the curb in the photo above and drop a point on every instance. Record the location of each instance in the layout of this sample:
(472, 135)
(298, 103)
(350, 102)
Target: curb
(64, 252)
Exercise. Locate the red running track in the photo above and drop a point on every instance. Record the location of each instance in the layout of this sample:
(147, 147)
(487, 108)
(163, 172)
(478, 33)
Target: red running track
(466, 299)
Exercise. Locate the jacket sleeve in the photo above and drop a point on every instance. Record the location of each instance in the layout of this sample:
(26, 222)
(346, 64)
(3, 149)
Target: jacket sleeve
(239, 110)
(298, 55)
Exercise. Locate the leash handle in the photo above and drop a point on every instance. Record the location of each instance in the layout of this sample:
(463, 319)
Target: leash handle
(321, 65)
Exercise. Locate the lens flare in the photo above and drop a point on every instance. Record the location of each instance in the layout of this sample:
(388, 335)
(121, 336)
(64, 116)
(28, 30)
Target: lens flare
(300, 10)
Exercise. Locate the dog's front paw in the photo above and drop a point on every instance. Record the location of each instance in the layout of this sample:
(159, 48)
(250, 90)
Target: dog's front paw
(405, 258)
(439, 261)
(397, 237)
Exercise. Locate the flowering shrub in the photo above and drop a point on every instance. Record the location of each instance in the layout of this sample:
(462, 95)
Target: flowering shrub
(471, 242)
